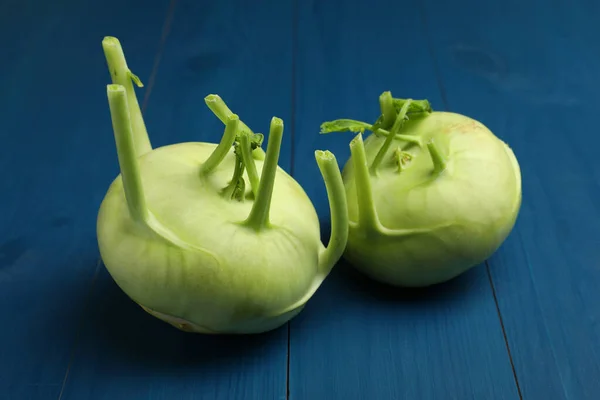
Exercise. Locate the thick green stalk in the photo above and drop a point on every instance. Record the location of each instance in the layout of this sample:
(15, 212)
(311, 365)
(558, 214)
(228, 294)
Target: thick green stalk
(259, 215)
(126, 152)
(338, 208)
(388, 111)
(216, 104)
(218, 155)
(249, 162)
(439, 163)
(388, 140)
(338, 239)
(367, 215)
(122, 75)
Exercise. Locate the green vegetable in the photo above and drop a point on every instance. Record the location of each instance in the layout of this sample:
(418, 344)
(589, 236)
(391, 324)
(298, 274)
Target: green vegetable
(430, 194)
(212, 238)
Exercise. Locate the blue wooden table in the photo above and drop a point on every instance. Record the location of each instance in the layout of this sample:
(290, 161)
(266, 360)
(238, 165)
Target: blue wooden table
(525, 325)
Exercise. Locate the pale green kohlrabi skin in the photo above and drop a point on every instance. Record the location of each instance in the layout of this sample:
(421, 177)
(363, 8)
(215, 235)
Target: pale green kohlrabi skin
(186, 238)
(430, 203)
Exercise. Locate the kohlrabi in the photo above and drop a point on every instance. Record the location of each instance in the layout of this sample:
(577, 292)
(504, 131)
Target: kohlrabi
(430, 194)
(212, 238)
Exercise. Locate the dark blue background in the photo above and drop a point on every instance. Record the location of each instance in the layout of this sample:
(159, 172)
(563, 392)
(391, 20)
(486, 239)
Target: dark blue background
(524, 325)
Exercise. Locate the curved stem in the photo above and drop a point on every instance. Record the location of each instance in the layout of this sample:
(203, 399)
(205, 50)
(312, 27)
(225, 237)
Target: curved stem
(121, 75)
(338, 208)
(388, 140)
(218, 154)
(387, 109)
(126, 152)
(218, 107)
(216, 104)
(367, 215)
(345, 125)
(439, 163)
(249, 163)
(259, 215)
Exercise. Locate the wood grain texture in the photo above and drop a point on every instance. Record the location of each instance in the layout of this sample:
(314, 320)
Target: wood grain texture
(357, 339)
(56, 156)
(241, 52)
(529, 70)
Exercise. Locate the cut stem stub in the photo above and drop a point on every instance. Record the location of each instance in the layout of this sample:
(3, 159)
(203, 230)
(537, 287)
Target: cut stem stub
(218, 154)
(439, 162)
(259, 215)
(367, 215)
(126, 152)
(122, 75)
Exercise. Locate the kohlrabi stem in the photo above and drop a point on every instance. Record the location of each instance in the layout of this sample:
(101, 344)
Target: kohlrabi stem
(216, 104)
(126, 152)
(338, 208)
(224, 146)
(439, 163)
(249, 162)
(236, 188)
(387, 109)
(122, 75)
(388, 140)
(367, 215)
(221, 111)
(259, 215)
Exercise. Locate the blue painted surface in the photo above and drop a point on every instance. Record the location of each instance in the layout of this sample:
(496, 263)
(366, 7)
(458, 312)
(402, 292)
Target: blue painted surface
(524, 325)
(536, 86)
(56, 158)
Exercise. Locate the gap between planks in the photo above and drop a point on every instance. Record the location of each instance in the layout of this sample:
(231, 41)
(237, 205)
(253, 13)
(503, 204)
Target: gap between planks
(445, 103)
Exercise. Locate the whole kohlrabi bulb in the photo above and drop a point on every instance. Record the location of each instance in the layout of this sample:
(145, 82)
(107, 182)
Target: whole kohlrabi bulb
(183, 235)
(430, 194)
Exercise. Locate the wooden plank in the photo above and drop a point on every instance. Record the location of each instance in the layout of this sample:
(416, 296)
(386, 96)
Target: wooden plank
(56, 156)
(243, 53)
(529, 71)
(357, 339)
